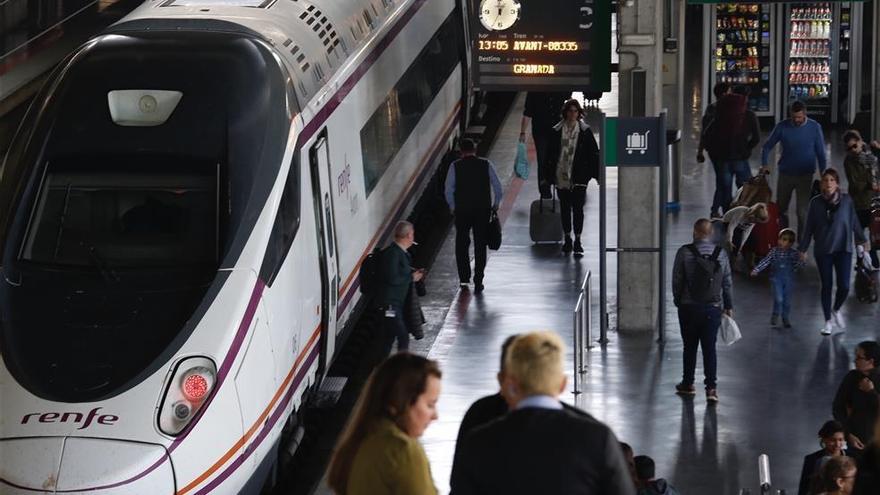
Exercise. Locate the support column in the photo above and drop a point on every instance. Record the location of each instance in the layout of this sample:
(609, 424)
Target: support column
(641, 53)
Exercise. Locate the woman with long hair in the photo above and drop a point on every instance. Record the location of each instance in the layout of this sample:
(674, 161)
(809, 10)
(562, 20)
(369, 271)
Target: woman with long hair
(833, 224)
(574, 157)
(379, 452)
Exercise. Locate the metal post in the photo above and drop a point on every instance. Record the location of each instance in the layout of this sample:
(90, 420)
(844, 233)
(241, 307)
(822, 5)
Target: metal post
(587, 290)
(661, 279)
(603, 238)
(576, 336)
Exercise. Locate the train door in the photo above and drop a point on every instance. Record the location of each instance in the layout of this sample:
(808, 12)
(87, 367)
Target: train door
(319, 165)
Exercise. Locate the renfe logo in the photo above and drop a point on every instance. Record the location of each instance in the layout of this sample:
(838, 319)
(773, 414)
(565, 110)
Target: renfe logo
(73, 417)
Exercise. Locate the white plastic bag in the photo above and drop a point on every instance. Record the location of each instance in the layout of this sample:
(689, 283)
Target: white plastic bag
(729, 330)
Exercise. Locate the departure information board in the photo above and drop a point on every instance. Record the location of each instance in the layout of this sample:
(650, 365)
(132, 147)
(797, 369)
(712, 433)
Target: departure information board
(541, 45)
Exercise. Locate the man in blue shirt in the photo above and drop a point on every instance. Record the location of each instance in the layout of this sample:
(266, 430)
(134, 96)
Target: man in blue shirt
(472, 192)
(803, 145)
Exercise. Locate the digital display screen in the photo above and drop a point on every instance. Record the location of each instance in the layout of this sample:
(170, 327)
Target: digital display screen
(541, 45)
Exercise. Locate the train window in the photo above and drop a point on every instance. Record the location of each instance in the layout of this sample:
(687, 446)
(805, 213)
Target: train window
(394, 120)
(102, 218)
(285, 227)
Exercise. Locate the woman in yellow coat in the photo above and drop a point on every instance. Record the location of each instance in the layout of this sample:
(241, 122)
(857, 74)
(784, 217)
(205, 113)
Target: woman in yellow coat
(379, 452)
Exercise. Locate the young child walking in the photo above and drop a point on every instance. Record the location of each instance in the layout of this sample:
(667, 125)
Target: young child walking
(783, 260)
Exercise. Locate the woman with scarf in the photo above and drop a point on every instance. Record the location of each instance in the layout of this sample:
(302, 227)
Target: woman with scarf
(574, 154)
(833, 224)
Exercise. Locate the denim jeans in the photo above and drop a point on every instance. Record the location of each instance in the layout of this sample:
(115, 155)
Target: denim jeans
(782, 283)
(730, 170)
(699, 328)
(840, 262)
(395, 328)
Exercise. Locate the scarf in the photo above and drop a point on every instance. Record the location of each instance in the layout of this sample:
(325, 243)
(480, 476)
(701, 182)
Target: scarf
(569, 135)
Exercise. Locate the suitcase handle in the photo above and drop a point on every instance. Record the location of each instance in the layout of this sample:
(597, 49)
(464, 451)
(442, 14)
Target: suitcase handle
(552, 201)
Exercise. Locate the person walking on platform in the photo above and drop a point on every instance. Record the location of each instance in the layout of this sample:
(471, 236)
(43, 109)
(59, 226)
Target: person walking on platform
(833, 223)
(472, 192)
(574, 156)
(379, 452)
(539, 447)
(833, 442)
(782, 260)
(863, 176)
(720, 89)
(803, 147)
(702, 289)
(857, 402)
(397, 276)
(730, 139)
(541, 111)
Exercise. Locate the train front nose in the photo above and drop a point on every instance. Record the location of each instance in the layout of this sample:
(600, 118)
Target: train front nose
(75, 465)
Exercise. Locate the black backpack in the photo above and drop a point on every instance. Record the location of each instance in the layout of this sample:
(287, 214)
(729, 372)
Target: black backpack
(704, 284)
(371, 272)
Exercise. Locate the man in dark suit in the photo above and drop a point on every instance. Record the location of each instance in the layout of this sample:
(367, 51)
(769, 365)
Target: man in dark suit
(540, 447)
(542, 112)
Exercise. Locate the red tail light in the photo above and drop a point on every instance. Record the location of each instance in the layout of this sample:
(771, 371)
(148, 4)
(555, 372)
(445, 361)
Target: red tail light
(191, 383)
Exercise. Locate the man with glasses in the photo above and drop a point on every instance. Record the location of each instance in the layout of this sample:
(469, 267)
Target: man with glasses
(863, 174)
(803, 146)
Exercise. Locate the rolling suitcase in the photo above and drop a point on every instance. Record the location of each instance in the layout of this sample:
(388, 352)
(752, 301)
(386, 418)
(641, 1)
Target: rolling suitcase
(545, 224)
(764, 235)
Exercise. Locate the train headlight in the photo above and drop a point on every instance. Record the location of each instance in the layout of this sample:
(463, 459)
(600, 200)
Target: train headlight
(190, 386)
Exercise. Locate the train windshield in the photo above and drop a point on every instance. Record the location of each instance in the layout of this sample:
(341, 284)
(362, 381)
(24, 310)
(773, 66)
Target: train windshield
(87, 217)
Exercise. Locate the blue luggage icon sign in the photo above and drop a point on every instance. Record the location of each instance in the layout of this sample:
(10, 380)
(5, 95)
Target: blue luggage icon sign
(637, 142)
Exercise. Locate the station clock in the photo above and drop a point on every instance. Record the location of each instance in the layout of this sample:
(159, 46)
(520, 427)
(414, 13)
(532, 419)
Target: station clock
(498, 15)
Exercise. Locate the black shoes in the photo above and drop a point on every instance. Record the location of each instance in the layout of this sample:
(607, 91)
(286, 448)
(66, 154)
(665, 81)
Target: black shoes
(478, 288)
(786, 323)
(578, 249)
(566, 245)
(682, 389)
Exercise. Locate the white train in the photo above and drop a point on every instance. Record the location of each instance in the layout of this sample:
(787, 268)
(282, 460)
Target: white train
(182, 216)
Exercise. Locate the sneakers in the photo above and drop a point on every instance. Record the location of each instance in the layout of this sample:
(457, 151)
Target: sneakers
(566, 245)
(785, 322)
(826, 330)
(682, 389)
(838, 320)
(478, 288)
(578, 249)
(463, 286)
(774, 320)
(711, 395)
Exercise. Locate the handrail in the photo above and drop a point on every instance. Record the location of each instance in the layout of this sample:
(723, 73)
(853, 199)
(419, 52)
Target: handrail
(582, 329)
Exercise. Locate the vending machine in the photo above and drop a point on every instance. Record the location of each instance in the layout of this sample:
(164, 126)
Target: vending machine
(741, 39)
(820, 58)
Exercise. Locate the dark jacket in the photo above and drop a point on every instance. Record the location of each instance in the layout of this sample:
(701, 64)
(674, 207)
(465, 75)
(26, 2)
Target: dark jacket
(396, 275)
(858, 410)
(533, 450)
(868, 475)
(585, 165)
(658, 487)
(833, 228)
(544, 110)
(810, 471)
(733, 132)
(862, 174)
(684, 269)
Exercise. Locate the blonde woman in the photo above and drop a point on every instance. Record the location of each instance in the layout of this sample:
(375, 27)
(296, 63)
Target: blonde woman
(379, 452)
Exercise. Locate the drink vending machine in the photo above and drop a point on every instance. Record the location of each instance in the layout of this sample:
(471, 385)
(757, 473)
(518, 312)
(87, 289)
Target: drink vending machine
(741, 40)
(819, 59)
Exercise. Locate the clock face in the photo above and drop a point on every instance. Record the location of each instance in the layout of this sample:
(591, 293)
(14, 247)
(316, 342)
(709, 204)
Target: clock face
(498, 15)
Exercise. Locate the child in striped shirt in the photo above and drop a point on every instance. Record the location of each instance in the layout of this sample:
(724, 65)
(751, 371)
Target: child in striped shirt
(783, 260)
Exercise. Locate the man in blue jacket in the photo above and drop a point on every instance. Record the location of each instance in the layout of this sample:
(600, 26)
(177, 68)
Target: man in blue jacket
(803, 145)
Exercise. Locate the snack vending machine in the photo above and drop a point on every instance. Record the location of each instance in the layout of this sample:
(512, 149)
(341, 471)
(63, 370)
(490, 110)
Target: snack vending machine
(820, 58)
(741, 40)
